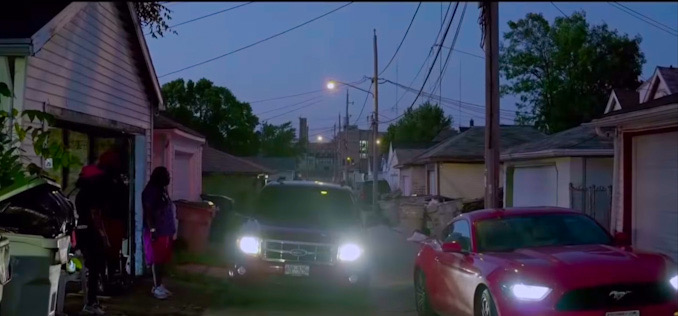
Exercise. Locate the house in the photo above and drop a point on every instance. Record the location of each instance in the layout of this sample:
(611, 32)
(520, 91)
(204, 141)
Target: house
(645, 179)
(354, 151)
(572, 168)
(179, 149)
(411, 175)
(231, 176)
(455, 167)
(87, 64)
(397, 154)
(280, 167)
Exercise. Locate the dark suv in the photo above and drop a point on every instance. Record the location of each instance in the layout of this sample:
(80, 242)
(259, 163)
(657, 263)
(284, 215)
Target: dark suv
(302, 233)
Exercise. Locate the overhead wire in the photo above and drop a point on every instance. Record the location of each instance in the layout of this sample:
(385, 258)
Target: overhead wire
(449, 24)
(402, 40)
(290, 111)
(449, 54)
(561, 11)
(289, 105)
(364, 103)
(300, 94)
(257, 42)
(208, 15)
(644, 18)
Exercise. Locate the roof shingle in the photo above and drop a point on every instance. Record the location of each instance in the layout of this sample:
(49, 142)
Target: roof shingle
(163, 122)
(469, 146)
(220, 162)
(670, 76)
(578, 138)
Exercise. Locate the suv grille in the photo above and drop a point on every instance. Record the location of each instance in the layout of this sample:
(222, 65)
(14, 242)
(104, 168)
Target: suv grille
(293, 251)
(627, 295)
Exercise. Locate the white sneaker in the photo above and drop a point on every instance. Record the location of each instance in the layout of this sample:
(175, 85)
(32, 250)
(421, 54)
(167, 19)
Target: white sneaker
(159, 293)
(94, 309)
(164, 289)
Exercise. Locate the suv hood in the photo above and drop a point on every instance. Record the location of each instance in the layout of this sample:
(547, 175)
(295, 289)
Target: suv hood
(583, 265)
(300, 234)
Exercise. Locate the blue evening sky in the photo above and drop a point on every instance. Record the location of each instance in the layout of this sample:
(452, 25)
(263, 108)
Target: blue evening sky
(339, 46)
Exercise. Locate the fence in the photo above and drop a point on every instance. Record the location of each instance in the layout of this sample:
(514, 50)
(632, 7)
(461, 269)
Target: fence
(595, 201)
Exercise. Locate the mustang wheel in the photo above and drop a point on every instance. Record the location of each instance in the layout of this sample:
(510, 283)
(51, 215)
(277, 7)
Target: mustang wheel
(421, 296)
(487, 307)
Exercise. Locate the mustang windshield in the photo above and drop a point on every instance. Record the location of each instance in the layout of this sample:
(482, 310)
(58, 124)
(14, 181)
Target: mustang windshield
(509, 233)
(313, 207)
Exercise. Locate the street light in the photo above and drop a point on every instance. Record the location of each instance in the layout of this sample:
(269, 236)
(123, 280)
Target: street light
(320, 138)
(378, 141)
(332, 84)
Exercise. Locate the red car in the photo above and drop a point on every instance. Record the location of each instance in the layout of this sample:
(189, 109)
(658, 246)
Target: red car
(539, 261)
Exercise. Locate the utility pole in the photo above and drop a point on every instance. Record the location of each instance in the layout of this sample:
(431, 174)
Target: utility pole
(375, 129)
(346, 119)
(489, 10)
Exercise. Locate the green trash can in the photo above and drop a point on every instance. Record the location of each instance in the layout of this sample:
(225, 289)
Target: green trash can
(36, 267)
(5, 272)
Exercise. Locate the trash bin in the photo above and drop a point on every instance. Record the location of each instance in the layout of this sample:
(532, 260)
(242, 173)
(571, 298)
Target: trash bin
(5, 272)
(36, 267)
(194, 219)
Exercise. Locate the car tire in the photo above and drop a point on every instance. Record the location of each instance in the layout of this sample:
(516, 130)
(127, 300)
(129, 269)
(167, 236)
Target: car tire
(485, 304)
(421, 297)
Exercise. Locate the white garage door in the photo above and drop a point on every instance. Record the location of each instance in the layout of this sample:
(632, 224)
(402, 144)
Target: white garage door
(535, 186)
(181, 177)
(655, 188)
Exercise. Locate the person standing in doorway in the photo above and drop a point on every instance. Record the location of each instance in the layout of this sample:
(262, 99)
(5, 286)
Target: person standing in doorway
(159, 228)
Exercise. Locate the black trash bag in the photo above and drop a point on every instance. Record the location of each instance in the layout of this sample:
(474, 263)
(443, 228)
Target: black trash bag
(38, 207)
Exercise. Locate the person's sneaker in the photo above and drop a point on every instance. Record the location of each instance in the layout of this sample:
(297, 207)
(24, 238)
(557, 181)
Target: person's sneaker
(164, 289)
(159, 293)
(94, 309)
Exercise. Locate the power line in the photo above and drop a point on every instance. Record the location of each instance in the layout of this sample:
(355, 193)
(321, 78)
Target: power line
(290, 105)
(561, 11)
(449, 24)
(401, 41)
(290, 111)
(647, 17)
(364, 103)
(209, 15)
(257, 42)
(418, 72)
(640, 16)
(464, 52)
(454, 41)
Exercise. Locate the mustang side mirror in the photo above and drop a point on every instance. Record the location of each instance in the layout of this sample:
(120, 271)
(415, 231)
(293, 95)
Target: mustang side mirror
(452, 247)
(622, 239)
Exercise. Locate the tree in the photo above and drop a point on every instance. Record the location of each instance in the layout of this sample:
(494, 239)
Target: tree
(214, 111)
(278, 140)
(563, 73)
(421, 124)
(154, 15)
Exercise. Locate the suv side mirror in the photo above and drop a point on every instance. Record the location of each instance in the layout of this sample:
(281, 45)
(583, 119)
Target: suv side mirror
(622, 239)
(452, 247)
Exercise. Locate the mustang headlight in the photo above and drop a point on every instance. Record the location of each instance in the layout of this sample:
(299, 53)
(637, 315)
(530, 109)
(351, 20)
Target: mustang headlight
(250, 245)
(674, 282)
(529, 292)
(349, 252)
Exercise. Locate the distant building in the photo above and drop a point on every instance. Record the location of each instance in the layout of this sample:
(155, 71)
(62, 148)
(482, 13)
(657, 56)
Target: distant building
(354, 150)
(319, 161)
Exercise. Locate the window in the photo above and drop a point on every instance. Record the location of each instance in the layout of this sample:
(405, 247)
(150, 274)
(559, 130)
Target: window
(363, 149)
(460, 232)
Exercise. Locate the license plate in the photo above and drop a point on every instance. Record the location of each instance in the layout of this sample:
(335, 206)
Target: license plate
(297, 270)
(624, 313)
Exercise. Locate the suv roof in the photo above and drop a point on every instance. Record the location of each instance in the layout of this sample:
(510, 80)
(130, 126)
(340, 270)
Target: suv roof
(306, 183)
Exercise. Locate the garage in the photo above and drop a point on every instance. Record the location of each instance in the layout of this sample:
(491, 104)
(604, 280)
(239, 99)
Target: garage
(535, 186)
(655, 198)
(182, 171)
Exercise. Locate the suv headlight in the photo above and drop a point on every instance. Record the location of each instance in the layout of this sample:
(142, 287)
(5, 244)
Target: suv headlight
(349, 252)
(250, 245)
(674, 282)
(529, 292)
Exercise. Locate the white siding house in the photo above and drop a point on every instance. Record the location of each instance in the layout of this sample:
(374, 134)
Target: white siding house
(87, 64)
(645, 135)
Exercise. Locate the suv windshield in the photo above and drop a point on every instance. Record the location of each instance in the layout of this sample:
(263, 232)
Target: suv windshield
(315, 207)
(507, 234)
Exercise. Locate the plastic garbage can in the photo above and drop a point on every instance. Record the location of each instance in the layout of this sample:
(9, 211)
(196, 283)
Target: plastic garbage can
(36, 267)
(5, 272)
(195, 219)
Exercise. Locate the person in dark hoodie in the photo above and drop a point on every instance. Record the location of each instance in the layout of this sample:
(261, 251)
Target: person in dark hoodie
(159, 228)
(91, 202)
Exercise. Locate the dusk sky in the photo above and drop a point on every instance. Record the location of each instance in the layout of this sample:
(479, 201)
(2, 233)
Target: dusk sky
(339, 46)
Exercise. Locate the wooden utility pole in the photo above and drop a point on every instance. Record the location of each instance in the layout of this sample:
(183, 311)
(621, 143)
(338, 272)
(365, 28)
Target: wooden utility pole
(491, 41)
(375, 129)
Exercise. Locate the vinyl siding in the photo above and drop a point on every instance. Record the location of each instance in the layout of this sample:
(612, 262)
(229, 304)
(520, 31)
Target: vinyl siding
(88, 66)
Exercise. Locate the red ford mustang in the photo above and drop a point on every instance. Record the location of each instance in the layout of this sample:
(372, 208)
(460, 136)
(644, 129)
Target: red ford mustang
(539, 261)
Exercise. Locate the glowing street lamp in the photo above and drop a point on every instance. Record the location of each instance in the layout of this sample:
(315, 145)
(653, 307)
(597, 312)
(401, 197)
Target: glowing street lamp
(320, 138)
(331, 85)
(378, 141)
